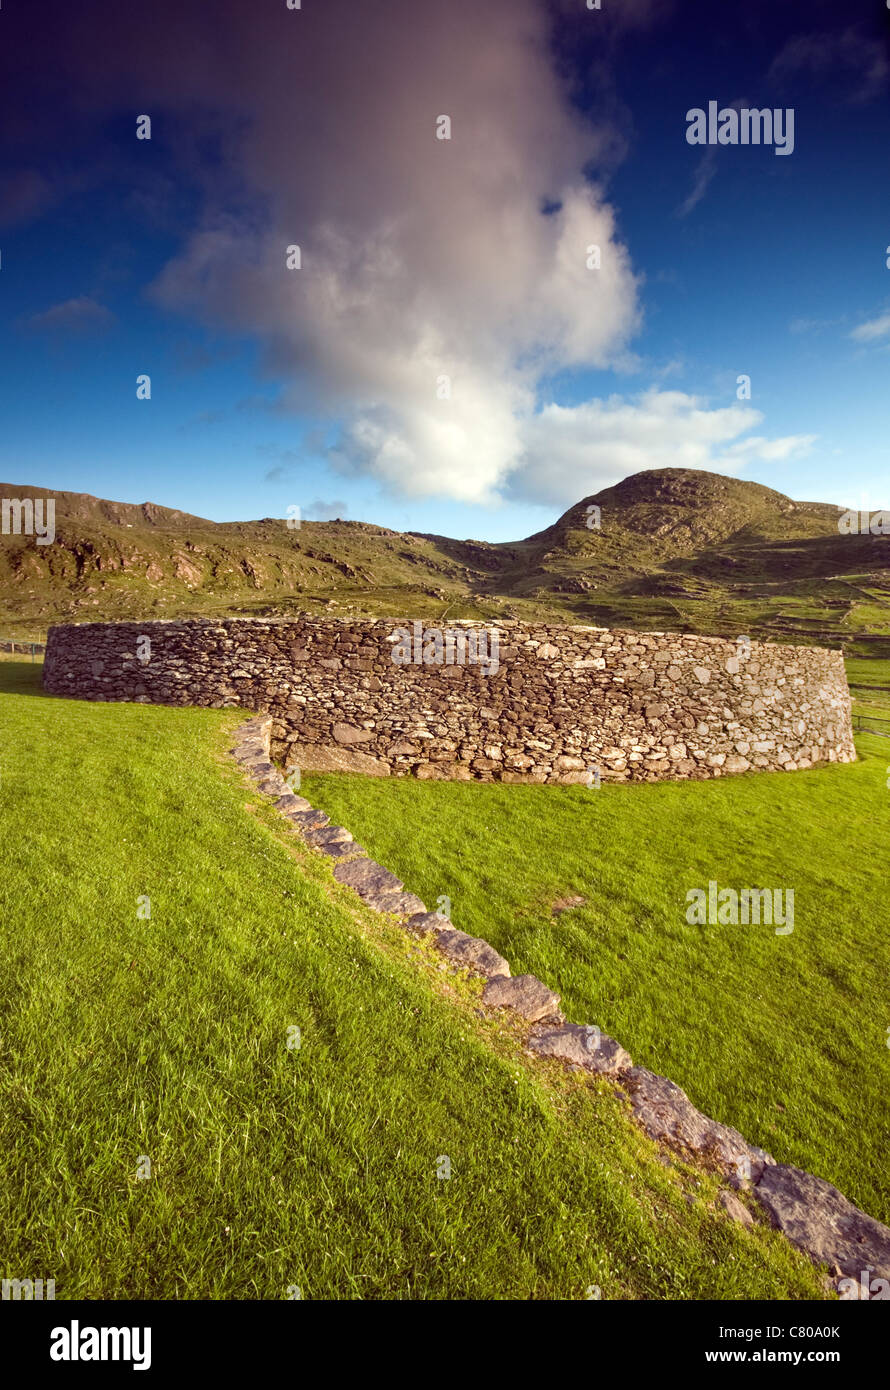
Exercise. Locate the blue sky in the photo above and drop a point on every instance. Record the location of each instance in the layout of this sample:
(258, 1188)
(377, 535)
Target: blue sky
(120, 258)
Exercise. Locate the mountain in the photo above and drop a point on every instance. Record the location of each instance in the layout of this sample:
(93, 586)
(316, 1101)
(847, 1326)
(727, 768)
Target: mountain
(81, 506)
(673, 549)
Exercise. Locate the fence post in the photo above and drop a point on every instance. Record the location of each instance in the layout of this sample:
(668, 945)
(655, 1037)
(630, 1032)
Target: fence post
(8, 644)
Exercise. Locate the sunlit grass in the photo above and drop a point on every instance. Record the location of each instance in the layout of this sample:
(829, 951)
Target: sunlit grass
(784, 1037)
(125, 1036)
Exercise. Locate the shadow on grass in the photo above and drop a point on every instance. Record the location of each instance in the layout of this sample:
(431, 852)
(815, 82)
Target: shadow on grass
(21, 678)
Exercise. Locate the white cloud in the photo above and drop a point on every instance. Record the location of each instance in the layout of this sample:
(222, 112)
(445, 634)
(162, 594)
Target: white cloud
(73, 316)
(762, 450)
(572, 452)
(421, 258)
(703, 175)
(873, 328)
(807, 325)
(858, 63)
(321, 510)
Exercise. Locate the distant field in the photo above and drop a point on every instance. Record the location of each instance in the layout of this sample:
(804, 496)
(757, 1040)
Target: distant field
(864, 672)
(20, 656)
(875, 699)
(124, 1036)
(877, 705)
(782, 1036)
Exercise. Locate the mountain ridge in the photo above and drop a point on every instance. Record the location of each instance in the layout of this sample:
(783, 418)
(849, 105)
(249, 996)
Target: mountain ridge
(669, 548)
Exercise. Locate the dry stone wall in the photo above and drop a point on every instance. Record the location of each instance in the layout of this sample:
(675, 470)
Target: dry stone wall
(813, 1215)
(556, 704)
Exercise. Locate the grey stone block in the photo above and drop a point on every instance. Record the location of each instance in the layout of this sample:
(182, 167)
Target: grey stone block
(367, 877)
(471, 951)
(403, 904)
(329, 835)
(307, 820)
(341, 849)
(248, 753)
(425, 923)
(274, 785)
(581, 1045)
(820, 1221)
(667, 1115)
(735, 1208)
(289, 802)
(525, 994)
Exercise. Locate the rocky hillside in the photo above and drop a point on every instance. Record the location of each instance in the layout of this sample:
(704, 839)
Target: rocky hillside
(674, 549)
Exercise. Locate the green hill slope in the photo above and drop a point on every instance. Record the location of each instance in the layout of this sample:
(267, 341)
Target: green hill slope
(675, 549)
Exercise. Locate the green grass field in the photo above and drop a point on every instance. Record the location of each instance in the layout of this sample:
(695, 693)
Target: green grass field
(124, 1036)
(870, 689)
(870, 673)
(784, 1037)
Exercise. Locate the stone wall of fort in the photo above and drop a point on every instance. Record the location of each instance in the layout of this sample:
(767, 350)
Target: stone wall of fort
(551, 703)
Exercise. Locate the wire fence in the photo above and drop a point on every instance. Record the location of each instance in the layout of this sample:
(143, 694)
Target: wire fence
(865, 724)
(15, 644)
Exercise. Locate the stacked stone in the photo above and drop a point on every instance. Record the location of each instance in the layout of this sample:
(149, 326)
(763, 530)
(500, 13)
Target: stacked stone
(561, 702)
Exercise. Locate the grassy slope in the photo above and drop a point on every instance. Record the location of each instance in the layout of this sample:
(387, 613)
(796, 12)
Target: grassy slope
(782, 1036)
(677, 550)
(121, 1036)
